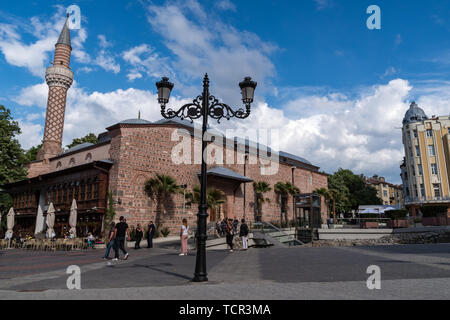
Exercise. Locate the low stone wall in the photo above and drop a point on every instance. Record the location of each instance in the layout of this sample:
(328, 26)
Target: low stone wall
(404, 236)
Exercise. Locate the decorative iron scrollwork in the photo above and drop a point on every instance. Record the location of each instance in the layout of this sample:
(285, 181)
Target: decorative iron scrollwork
(216, 110)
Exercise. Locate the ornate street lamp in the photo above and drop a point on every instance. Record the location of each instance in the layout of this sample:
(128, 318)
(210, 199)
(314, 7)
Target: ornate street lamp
(204, 106)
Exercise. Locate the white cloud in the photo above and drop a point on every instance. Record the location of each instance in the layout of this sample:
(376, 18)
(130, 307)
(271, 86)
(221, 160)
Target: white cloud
(91, 112)
(144, 59)
(35, 56)
(106, 61)
(225, 5)
(333, 131)
(31, 133)
(207, 45)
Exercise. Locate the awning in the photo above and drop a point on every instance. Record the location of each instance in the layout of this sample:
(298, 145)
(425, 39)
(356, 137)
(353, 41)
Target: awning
(227, 174)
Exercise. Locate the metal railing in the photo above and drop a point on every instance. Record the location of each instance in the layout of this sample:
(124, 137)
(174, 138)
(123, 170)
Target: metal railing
(359, 223)
(276, 233)
(410, 200)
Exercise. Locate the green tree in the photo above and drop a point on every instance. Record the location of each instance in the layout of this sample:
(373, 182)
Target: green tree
(92, 138)
(31, 154)
(12, 158)
(351, 191)
(161, 188)
(260, 189)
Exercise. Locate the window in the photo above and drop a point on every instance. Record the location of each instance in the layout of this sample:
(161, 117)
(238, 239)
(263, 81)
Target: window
(416, 192)
(430, 133)
(431, 150)
(437, 190)
(59, 165)
(413, 171)
(434, 169)
(418, 151)
(385, 193)
(415, 133)
(72, 162)
(420, 169)
(89, 158)
(409, 135)
(422, 190)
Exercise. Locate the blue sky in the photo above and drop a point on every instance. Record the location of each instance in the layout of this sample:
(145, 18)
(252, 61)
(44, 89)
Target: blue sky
(335, 89)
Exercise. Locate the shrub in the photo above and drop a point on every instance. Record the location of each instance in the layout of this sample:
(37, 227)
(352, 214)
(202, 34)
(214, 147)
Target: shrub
(433, 211)
(165, 232)
(397, 214)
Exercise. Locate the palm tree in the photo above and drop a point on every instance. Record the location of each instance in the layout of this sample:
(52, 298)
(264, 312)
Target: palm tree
(260, 188)
(214, 198)
(283, 190)
(333, 195)
(326, 194)
(329, 195)
(162, 188)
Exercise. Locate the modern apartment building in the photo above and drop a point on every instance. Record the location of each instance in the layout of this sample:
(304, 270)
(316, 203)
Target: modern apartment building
(426, 166)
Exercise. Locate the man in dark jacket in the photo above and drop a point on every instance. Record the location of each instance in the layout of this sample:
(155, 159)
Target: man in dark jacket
(243, 233)
(150, 234)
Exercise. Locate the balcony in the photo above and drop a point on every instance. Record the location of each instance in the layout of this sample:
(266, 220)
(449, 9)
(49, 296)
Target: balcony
(426, 200)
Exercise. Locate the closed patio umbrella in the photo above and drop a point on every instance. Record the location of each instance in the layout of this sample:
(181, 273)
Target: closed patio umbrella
(10, 223)
(73, 219)
(50, 221)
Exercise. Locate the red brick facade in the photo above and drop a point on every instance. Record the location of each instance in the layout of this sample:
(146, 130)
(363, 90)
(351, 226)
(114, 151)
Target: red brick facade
(140, 152)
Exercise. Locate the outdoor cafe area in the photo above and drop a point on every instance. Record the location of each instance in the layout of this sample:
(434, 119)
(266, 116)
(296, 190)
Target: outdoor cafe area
(372, 217)
(59, 231)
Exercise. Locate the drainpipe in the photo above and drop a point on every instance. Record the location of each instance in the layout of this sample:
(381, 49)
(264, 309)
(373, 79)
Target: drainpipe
(293, 198)
(245, 184)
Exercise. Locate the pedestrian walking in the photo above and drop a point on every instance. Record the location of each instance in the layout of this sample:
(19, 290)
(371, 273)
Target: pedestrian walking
(184, 232)
(224, 226)
(139, 236)
(243, 233)
(150, 234)
(112, 243)
(230, 234)
(122, 234)
(218, 229)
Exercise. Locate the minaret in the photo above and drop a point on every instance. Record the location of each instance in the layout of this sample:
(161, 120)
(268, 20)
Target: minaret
(59, 78)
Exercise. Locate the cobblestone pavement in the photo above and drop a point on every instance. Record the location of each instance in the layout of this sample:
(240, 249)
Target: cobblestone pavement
(407, 271)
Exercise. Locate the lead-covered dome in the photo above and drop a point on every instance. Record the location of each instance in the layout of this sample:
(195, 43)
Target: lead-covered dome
(414, 114)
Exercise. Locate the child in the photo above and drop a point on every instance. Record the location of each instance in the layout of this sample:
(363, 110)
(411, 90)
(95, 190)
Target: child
(91, 240)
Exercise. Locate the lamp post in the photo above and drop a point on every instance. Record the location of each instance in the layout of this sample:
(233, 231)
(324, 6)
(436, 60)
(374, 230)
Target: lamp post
(204, 106)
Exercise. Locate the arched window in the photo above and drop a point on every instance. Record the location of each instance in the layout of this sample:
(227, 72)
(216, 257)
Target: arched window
(59, 165)
(72, 162)
(89, 158)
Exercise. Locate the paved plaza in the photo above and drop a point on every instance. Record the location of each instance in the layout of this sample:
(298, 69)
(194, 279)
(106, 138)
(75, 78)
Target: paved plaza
(407, 272)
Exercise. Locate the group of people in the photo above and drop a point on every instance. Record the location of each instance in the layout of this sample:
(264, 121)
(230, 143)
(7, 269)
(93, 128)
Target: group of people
(229, 228)
(120, 233)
